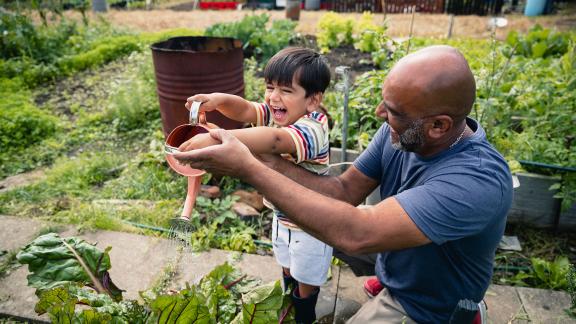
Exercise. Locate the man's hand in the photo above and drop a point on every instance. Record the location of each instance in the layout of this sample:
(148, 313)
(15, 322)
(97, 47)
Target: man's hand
(197, 142)
(229, 158)
(209, 102)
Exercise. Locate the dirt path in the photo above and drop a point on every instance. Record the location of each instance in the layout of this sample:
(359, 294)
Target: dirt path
(429, 25)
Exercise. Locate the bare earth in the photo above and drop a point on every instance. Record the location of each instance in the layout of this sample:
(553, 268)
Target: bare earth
(428, 25)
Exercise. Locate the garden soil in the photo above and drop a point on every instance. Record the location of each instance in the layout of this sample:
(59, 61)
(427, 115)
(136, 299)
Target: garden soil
(182, 15)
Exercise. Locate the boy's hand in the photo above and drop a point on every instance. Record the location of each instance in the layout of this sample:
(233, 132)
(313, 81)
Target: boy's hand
(209, 102)
(197, 142)
(230, 158)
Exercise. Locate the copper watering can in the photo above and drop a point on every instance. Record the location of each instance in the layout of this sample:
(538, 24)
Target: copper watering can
(197, 125)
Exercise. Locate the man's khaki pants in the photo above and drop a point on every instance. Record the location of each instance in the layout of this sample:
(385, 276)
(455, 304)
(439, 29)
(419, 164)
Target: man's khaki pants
(383, 308)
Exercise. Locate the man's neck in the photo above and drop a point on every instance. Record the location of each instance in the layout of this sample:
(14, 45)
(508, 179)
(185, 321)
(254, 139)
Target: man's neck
(457, 135)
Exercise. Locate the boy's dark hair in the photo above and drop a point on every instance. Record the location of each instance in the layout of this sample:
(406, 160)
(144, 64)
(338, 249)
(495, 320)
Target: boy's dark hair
(311, 70)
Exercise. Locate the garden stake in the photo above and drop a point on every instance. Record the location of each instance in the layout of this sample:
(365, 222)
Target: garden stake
(344, 87)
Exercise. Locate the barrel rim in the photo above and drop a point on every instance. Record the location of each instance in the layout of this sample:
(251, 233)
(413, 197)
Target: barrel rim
(235, 42)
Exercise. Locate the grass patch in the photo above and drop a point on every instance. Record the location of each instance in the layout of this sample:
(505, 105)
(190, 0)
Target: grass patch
(70, 178)
(8, 262)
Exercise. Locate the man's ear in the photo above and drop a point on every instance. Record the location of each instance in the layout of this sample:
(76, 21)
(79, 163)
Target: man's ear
(439, 126)
(314, 102)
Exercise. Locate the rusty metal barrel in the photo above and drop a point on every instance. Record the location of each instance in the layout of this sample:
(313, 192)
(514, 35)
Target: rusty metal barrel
(185, 66)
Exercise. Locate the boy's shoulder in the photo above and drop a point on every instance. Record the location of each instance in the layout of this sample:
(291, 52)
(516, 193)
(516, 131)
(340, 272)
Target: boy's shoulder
(313, 117)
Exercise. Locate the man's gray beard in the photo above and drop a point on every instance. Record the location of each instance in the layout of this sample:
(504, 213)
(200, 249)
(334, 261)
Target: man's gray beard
(412, 138)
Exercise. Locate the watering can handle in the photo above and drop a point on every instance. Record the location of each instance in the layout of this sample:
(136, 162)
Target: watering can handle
(194, 109)
(196, 116)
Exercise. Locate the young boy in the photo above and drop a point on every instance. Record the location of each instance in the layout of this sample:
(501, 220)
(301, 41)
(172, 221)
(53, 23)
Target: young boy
(287, 123)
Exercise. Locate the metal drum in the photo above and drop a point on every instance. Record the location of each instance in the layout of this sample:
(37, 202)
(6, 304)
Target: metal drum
(185, 66)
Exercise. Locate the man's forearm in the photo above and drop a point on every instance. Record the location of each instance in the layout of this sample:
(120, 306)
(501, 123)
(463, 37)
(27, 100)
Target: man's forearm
(327, 185)
(350, 229)
(300, 205)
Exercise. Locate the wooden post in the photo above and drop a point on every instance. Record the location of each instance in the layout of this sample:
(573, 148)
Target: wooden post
(411, 28)
(450, 26)
(383, 3)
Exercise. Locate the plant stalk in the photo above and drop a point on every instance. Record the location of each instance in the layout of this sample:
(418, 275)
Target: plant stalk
(99, 288)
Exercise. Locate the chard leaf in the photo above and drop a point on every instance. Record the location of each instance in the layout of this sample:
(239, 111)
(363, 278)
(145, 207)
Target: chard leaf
(58, 303)
(186, 307)
(52, 264)
(264, 304)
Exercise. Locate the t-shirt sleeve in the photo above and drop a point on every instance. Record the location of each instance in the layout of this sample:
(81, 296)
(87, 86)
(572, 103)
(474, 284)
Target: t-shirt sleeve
(310, 135)
(454, 204)
(263, 114)
(370, 160)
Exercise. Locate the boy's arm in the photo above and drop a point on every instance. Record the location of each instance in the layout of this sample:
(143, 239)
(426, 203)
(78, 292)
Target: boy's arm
(259, 140)
(266, 140)
(231, 106)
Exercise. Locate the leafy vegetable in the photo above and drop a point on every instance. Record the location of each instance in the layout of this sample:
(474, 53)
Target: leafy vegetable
(265, 304)
(60, 304)
(54, 261)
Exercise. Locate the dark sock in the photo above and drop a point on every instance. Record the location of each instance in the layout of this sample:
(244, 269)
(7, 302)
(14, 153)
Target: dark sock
(305, 308)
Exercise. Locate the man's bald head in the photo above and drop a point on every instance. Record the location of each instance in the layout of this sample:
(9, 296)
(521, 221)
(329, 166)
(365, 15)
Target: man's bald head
(433, 80)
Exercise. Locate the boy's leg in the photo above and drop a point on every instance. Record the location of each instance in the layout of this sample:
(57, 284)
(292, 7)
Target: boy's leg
(289, 282)
(305, 305)
(280, 242)
(310, 260)
(305, 290)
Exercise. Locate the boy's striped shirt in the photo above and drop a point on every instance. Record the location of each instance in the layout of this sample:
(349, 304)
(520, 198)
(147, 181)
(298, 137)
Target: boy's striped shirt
(310, 135)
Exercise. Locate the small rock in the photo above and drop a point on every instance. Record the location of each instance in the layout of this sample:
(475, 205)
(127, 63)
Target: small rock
(245, 211)
(209, 191)
(252, 198)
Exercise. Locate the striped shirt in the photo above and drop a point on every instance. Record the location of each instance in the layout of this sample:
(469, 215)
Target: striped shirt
(310, 136)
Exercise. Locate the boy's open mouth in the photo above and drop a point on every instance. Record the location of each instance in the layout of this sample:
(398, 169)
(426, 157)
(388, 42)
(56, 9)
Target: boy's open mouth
(279, 113)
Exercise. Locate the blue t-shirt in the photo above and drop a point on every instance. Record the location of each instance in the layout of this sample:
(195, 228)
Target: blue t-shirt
(459, 199)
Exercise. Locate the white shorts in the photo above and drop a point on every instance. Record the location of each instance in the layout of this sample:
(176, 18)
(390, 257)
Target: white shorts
(307, 257)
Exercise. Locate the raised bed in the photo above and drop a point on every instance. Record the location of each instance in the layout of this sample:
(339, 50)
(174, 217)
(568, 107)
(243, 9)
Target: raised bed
(534, 204)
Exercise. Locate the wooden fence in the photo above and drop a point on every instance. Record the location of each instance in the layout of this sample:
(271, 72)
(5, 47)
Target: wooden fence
(456, 7)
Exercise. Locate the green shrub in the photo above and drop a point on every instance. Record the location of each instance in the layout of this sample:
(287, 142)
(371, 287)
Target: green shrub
(254, 86)
(21, 123)
(544, 274)
(256, 38)
(368, 34)
(104, 51)
(539, 42)
(333, 31)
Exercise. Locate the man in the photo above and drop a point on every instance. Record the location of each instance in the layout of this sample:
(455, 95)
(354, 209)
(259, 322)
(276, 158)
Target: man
(445, 190)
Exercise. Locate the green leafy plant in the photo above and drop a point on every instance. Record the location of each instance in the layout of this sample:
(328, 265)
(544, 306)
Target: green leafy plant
(368, 34)
(334, 30)
(257, 40)
(544, 274)
(364, 96)
(254, 86)
(54, 262)
(68, 272)
(539, 42)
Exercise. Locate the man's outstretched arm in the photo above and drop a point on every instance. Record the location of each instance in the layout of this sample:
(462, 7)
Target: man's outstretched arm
(352, 186)
(383, 227)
